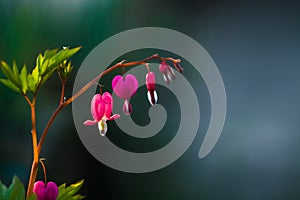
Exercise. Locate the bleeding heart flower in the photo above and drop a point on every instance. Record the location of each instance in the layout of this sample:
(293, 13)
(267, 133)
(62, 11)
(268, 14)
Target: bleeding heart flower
(150, 83)
(44, 191)
(168, 72)
(125, 88)
(101, 109)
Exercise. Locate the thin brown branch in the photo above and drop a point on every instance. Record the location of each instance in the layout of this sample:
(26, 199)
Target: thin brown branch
(121, 64)
(118, 65)
(51, 120)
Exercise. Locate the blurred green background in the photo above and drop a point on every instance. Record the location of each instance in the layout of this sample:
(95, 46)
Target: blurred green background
(256, 46)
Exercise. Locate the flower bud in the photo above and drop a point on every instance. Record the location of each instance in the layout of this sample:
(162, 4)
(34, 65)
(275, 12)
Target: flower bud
(168, 72)
(150, 83)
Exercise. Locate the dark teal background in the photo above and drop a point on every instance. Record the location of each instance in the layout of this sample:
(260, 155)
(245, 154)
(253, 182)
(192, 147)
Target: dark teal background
(256, 46)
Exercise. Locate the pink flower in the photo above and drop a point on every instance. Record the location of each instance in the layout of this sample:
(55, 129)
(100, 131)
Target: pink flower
(168, 72)
(101, 109)
(125, 88)
(44, 191)
(150, 83)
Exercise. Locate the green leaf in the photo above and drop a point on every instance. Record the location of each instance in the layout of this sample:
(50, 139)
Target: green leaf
(59, 57)
(31, 83)
(10, 85)
(70, 192)
(15, 68)
(32, 197)
(10, 75)
(35, 75)
(3, 190)
(39, 62)
(65, 69)
(49, 53)
(16, 190)
(23, 78)
(44, 66)
(33, 80)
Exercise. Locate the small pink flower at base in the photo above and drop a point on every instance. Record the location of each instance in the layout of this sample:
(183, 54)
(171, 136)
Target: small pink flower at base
(125, 88)
(150, 83)
(168, 72)
(44, 191)
(101, 109)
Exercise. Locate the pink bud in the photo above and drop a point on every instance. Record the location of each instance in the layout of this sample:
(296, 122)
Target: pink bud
(168, 72)
(150, 83)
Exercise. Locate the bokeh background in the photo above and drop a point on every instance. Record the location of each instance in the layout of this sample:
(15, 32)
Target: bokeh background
(256, 46)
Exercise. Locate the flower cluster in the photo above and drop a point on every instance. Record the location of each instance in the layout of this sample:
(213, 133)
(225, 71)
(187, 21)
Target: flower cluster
(125, 87)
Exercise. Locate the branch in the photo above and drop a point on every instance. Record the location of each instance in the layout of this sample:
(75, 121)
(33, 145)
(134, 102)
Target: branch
(90, 84)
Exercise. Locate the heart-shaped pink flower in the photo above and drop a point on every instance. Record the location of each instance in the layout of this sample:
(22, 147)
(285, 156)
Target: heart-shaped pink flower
(45, 192)
(101, 108)
(125, 87)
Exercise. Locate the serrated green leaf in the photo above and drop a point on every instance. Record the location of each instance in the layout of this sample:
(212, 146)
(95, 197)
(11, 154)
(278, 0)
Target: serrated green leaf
(3, 190)
(16, 190)
(23, 78)
(70, 192)
(10, 85)
(10, 74)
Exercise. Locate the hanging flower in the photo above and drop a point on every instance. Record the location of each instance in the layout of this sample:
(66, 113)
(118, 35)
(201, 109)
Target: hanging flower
(44, 191)
(150, 83)
(178, 66)
(125, 88)
(101, 109)
(168, 72)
